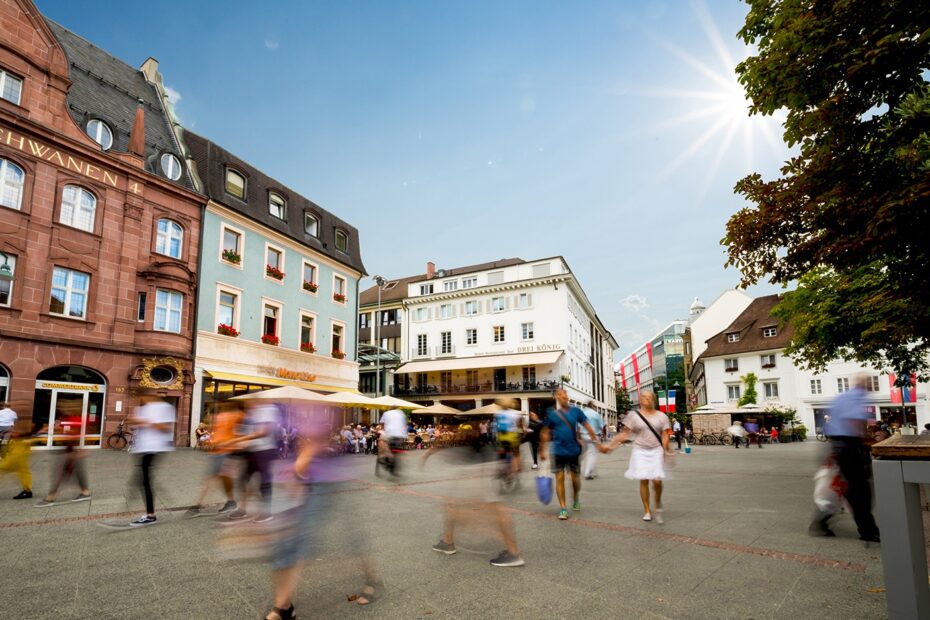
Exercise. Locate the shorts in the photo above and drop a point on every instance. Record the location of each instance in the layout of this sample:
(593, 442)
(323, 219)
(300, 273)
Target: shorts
(510, 441)
(570, 462)
(217, 462)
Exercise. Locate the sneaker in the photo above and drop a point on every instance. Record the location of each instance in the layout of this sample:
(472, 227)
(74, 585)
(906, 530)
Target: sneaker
(229, 506)
(647, 517)
(42, 503)
(263, 518)
(659, 518)
(142, 521)
(81, 498)
(563, 514)
(24, 495)
(576, 506)
(507, 559)
(535, 466)
(193, 513)
(875, 538)
(236, 516)
(444, 547)
(589, 477)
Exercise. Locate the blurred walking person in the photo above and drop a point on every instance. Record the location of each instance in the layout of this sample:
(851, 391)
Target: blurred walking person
(72, 460)
(650, 450)
(533, 436)
(590, 447)
(154, 435)
(18, 452)
(394, 434)
(221, 467)
(261, 450)
(847, 428)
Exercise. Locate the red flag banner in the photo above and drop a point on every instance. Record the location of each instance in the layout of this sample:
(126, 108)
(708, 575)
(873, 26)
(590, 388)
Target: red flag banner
(623, 374)
(649, 353)
(636, 371)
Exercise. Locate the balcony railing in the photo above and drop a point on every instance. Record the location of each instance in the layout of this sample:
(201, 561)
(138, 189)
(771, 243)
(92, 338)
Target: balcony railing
(478, 388)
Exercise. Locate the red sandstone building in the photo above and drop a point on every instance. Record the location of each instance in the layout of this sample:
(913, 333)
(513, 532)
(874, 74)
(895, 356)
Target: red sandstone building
(99, 230)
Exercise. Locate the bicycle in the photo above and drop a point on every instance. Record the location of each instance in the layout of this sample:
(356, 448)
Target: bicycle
(121, 439)
(820, 434)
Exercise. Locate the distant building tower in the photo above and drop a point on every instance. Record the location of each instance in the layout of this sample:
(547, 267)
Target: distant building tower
(696, 309)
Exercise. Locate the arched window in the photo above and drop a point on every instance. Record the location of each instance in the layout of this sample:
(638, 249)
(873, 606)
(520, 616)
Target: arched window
(311, 224)
(100, 133)
(71, 374)
(342, 241)
(169, 238)
(78, 207)
(235, 184)
(11, 184)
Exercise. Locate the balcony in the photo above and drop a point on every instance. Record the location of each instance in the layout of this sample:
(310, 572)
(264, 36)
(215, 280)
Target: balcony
(477, 388)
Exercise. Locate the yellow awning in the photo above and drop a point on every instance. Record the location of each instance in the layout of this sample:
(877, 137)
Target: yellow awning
(484, 361)
(237, 378)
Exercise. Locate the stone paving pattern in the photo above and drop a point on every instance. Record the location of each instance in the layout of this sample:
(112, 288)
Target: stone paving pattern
(734, 545)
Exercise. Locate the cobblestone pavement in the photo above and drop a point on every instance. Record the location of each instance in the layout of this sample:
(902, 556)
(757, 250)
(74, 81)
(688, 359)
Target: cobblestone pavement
(734, 545)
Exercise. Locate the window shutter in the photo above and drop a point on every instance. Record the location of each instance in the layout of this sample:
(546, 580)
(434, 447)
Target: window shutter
(506, 303)
(529, 299)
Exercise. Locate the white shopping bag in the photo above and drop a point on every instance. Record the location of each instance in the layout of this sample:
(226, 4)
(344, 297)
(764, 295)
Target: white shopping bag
(829, 489)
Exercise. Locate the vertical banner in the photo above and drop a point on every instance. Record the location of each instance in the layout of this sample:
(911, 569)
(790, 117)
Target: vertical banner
(902, 396)
(649, 353)
(636, 371)
(623, 374)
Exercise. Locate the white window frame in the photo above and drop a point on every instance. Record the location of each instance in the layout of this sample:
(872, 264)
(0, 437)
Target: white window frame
(345, 334)
(76, 207)
(316, 276)
(442, 311)
(271, 197)
(768, 391)
(237, 310)
(523, 300)
(471, 307)
(727, 367)
(426, 289)
(6, 75)
(266, 301)
(731, 387)
(873, 384)
(11, 261)
(345, 289)
(469, 283)
(422, 344)
(450, 285)
(169, 311)
(245, 184)
(527, 331)
(503, 334)
(768, 358)
(4, 183)
(300, 328)
(316, 220)
(223, 228)
(283, 253)
(445, 338)
(471, 331)
(174, 166)
(503, 304)
(97, 135)
(418, 311)
(733, 337)
(345, 235)
(69, 290)
(842, 384)
(816, 387)
(167, 237)
(769, 332)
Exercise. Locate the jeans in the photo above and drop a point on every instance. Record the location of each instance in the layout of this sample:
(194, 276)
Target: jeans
(145, 463)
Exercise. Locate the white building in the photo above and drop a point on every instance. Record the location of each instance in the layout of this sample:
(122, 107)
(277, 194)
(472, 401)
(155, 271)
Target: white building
(754, 342)
(510, 328)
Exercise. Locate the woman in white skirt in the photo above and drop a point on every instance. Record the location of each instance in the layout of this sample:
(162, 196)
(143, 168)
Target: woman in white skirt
(650, 448)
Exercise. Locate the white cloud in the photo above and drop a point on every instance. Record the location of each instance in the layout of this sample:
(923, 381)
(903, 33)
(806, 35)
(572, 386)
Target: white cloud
(272, 44)
(634, 303)
(173, 95)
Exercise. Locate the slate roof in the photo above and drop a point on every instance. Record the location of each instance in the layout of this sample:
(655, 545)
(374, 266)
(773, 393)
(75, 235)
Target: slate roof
(106, 88)
(397, 289)
(749, 325)
(212, 161)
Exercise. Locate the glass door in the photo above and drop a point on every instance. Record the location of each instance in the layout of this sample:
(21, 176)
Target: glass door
(93, 419)
(66, 423)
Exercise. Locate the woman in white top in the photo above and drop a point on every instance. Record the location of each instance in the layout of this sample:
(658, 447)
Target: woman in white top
(650, 448)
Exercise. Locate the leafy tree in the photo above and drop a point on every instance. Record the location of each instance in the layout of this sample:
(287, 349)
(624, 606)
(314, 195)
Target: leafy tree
(749, 394)
(848, 216)
(624, 402)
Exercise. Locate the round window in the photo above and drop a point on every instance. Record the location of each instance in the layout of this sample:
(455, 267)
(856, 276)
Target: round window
(171, 166)
(100, 133)
(163, 375)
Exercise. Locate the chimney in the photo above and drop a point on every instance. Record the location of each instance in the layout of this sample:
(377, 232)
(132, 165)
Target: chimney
(430, 270)
(150, 69)
(137, 137)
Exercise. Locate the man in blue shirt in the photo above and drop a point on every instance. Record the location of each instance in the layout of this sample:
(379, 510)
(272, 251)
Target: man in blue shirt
(561, 427)
(846, 428)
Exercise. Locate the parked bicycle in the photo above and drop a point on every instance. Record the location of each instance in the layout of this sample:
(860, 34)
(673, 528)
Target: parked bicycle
(121, 439)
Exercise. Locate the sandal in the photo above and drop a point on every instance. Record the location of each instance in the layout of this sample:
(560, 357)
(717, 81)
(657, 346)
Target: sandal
(369, 595)
(277, 613)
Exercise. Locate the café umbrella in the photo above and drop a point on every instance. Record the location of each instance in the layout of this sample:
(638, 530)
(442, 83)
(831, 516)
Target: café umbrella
(389, 402)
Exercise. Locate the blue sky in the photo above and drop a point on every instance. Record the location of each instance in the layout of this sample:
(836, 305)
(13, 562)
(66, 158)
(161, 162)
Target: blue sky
(611, 133)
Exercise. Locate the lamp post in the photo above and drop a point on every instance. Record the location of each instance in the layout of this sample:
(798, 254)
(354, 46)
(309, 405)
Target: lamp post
(380, 282)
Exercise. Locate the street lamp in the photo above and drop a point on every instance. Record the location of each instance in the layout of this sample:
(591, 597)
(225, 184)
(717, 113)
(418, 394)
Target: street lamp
(380, 282)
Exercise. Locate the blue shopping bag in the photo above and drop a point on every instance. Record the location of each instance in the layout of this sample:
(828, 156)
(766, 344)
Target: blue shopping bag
(544, 488)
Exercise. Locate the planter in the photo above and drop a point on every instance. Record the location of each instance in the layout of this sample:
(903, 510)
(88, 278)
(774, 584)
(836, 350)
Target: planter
(272, 340)
(308, 348)
(227, 330)
(338, 355)
(311, 286)
(339, 297)
(566, 378)
(231, 257)
(274, 272)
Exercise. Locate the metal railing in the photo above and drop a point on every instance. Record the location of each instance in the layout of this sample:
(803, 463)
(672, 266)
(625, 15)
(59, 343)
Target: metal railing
(500, 387)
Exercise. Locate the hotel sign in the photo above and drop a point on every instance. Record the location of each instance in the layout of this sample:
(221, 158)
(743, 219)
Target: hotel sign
(42, 151)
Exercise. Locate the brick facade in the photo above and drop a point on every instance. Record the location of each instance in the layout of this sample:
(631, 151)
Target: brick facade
(41, 137)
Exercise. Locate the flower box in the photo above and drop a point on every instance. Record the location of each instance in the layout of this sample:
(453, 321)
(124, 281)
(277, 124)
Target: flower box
(313, 287)
(274, 272)
(227, 330)
(339, 355)
(271, 339)
(231, 257)
(308, 347)
(768, 365)
(339, 297)
(566, 378)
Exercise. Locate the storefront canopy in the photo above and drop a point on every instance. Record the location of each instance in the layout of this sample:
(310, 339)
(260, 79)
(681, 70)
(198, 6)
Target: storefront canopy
(485, 361)
(253, 380)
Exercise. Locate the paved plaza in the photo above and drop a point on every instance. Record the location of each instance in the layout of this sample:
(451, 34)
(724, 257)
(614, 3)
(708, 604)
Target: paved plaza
(734, 545)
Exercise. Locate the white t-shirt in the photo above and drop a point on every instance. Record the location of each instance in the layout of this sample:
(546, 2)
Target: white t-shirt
(262, 418)
(7, 417)
(395, 424)
(149, 439)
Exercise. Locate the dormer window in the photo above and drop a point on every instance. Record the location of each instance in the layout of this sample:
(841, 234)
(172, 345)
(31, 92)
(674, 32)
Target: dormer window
(311, 225)
(733, 337)
(170, 166)
(235, 184)
(11, 87)
(277, 206)
(769, 332)
(100, 133)
(342, 241)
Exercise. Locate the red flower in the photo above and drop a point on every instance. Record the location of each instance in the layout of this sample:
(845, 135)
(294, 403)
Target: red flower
(271, 339)
(227, 330)
(274, 272)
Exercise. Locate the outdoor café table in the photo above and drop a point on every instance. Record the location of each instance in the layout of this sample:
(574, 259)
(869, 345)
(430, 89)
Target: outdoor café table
(902, 462)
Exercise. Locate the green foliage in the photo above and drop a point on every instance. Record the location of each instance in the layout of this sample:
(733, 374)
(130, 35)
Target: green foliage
(799, 432)
(849, 214)
(749, 394)
(783, 417)
(624, 402)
